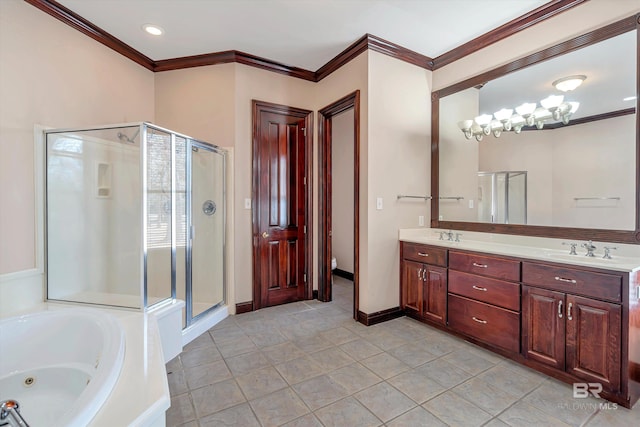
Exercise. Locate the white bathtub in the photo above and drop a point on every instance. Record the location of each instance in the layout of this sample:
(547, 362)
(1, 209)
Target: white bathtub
(60, 365)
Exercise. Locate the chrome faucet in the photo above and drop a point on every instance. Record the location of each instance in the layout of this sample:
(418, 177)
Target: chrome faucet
(449, 235)
(607, 254)
(573, 247)
(589, 247)
(10, 414)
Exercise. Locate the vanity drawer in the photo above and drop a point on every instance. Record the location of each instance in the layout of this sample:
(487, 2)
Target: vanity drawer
(492, 291)
(499, 268)
(571, 280)
(425, 254)
(485, 322)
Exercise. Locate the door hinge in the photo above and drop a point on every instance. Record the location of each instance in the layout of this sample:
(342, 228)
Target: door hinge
(304, 277)
(304, 180)
(304, 228)
(305, 131)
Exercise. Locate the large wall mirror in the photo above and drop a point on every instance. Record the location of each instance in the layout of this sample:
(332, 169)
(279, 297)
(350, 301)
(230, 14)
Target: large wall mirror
(516, 152)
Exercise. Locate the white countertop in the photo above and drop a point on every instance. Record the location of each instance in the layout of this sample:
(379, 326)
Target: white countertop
(626, 258)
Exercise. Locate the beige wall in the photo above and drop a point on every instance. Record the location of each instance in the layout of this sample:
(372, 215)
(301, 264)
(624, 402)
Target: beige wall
(53, 76)
(342, 161)
(398, 163)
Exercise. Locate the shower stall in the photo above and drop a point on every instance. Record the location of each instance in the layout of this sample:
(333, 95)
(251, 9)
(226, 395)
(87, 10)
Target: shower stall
(502, 197)
(135, 218)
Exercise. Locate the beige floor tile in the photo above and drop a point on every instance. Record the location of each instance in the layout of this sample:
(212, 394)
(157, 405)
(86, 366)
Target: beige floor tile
(282, 352)
(202, 375)
(524, 415)
(456, 411)
(417, 386)
(354, 377)
(490, 397)
(320, 391)
(347, 412)
(278, 408)
(360, 349)
(308, 420)
(411, 354)
(245, 363)
(200, 356)
(216, 397)
(240, 415)
(261, 382)
(468, 361)
(385, 365)
(443, 373)
(331, 359)
(417, 417)
(384, 401)
(298, 370)
(180, 411)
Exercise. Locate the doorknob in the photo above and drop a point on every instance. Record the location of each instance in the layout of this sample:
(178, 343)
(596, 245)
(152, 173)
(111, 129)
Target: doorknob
(265, 234)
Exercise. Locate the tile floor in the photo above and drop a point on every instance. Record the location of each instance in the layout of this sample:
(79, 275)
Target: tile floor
(310, 364)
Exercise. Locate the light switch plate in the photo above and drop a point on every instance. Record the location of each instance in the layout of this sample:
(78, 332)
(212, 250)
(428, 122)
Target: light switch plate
(470, 203)
(421, 220)
(247, 203)
(379, 203)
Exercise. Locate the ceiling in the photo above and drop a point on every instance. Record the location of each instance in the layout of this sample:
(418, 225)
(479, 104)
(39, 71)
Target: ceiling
(300, 33)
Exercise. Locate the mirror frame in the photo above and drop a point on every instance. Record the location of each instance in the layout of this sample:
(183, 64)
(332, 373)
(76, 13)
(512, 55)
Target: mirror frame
(620, 236)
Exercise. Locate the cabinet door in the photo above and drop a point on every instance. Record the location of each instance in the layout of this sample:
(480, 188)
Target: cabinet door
(543, 334)
(593, 341)
(411, 287)
(434, 294)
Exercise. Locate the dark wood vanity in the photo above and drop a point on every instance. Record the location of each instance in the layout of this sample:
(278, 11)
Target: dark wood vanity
(574, 323)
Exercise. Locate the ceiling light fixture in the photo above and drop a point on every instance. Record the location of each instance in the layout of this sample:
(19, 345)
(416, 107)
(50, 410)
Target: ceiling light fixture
(154, 30)
(553, 108)
(569, 83)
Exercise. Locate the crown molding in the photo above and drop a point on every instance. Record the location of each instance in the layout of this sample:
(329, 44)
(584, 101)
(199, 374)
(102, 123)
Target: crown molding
(76, 21)
(366, 42)
(512, 27)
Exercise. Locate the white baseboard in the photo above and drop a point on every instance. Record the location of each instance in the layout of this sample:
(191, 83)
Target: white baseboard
(204, 324)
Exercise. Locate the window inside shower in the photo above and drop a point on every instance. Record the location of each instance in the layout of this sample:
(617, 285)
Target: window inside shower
(135, 216)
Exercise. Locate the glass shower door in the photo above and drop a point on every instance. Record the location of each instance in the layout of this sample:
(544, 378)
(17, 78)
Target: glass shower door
(207, 232)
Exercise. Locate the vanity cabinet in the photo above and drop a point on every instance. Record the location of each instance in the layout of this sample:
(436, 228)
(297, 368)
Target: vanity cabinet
(569, 325)
(574, 323)
(484, 298)
(424, 277)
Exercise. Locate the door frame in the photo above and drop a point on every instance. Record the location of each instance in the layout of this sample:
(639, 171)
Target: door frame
(325, 116)
(262, 106)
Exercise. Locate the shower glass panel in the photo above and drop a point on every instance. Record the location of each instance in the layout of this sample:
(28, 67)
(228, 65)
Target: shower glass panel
(502, 197)
(94, 216)
(134, 216)
(207, 202)
(159, 218)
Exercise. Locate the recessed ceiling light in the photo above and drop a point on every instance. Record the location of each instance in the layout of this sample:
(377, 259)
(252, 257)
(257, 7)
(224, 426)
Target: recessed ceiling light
(569, 83)
(629, 98)
(154, 30)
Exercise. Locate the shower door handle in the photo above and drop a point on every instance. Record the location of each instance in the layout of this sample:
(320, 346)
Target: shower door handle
(265, 234)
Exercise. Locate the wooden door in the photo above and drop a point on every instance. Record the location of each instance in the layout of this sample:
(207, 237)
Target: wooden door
(593, 341)
(434, 294)
(543, 323)
(412, 286)
(281, 204)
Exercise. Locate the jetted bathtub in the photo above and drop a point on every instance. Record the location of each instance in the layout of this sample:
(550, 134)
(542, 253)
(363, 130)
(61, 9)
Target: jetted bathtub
(60, 366)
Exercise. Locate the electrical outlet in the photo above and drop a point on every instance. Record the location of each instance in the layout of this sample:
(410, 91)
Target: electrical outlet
(470, 203)
(379, 203)
(247, 203)
(421, 220)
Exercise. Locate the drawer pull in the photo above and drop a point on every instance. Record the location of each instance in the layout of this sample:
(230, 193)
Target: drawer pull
(569, 311)
(562, 279)
(475, 319)
(422, 254)
(478, 288)
(560, 309)
(475, 264)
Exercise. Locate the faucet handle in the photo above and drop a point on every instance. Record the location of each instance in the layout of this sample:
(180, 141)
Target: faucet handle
(573, 247)
(458, 235)
(607, 249)
(441, 235)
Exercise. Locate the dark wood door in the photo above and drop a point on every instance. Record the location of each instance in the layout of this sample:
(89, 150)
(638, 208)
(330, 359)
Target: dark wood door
(412, 286)
(543, 326)
(593, 341)
(280, 204)
(434, 294)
